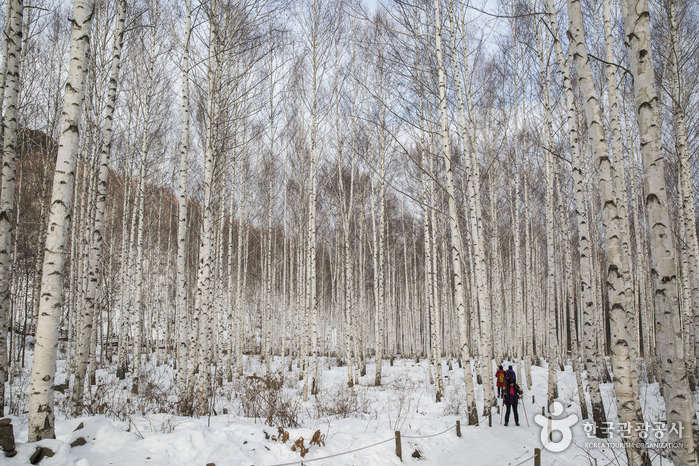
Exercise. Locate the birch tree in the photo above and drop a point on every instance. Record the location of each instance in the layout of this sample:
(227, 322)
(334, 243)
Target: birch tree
(138, 308)
(679, 408)
(380, 233)
(456, 241)
(184, 404)
(319, 23)
(202, 306)
(586, 280)
(687, 211)
(95, 253)
(347, 211)
(519, 284)
(624, 386)
(11, 89)
(41, 403)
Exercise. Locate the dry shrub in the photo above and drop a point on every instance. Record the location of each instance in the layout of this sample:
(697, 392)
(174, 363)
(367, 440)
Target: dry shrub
(282, 436)
(317, 439)
(402, 401)
(454, 397)
(340, 402)
(112, 398)
(17, 394)
(157, 392)
(300, 447)
(264, 398)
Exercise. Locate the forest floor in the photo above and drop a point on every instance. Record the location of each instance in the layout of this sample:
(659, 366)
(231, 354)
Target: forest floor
(347, 420)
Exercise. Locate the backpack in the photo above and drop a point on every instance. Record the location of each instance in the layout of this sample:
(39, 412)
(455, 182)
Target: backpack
(510, 377)
(501, 377)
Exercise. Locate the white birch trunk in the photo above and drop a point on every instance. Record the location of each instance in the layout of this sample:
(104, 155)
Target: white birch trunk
(495, 270)
(427, 203)
(95, 252)
(624, 384)
(41, 416)
(436, 308)
(518, 282)
(13, 43)
(218, 300)
(621, 195)
(641, 259)
(203, 302)
(311, 279)
(685, 179)
(231, 291)
(138, 324)
(184, 403)
(347, 199)
(137, 287)
(529, 287)
(553, 339)
(476, 218)
(586, 280)
(3, 69)
(239, 275)
(363, 313)
(678, 399)
(456, 241)
(381, 271)
(122, 357)
(378, 307)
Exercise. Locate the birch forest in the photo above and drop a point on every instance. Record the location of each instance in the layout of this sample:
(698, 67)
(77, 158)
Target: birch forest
(241, 192)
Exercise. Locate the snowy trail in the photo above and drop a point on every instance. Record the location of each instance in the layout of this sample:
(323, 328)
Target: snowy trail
(405, 402)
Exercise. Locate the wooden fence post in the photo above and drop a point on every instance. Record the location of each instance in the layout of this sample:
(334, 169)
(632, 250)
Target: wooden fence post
(537, 457)
(399, 451)
(490, 418)
(458, 428)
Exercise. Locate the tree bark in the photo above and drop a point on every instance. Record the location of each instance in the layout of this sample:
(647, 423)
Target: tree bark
(624, 384)
(184, 403)
(456, 241)
(586, 279)
(203, 303)
(95, 253)
(13, 44)
(678, 399)
(41, 416)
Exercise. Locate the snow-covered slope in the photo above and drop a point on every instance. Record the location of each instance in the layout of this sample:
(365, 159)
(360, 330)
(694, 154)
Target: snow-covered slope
(405, 402)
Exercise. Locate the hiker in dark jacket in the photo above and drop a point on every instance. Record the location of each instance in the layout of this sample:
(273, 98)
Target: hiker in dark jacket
(511, 374)
(512, 393)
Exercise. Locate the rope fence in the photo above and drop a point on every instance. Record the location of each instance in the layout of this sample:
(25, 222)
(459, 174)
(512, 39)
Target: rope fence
(336, 454)
(431, 435)
(536, 457)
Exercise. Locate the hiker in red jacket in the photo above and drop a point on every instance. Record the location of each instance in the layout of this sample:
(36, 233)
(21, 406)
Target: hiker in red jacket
(500, 379)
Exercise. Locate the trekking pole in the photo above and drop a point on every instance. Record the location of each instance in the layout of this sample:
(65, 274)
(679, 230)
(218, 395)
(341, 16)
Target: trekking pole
(502, 408)
(524, 405)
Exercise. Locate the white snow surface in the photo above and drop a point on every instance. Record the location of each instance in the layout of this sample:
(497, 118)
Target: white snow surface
(404, 402)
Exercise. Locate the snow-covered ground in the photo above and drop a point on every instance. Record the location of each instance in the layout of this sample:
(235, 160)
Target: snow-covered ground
(347, 421)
